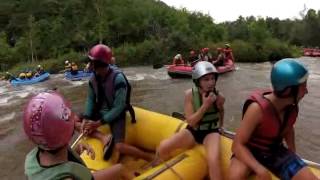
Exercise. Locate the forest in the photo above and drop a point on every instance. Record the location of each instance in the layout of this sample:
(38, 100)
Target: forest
(140, 32)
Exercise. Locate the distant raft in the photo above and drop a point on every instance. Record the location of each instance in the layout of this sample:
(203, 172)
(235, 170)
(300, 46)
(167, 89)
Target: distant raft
(185, 71)
(81, 75)
(33, 80)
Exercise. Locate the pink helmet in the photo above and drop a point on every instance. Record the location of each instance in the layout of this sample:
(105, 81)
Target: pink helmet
(100, 53)
(48, 121)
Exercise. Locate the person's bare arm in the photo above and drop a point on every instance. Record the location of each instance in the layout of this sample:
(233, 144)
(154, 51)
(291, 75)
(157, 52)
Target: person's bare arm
(220, 105)
(250, 121)
(290, 139)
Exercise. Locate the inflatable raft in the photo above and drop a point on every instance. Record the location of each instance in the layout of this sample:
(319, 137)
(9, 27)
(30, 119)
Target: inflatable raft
(81, 75)
(185, 71)
(151, 128)
(33, 80)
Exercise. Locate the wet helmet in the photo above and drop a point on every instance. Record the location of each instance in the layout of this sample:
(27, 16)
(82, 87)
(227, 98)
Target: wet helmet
(286, 73)
(178, 56)
(47, 121)
(101, 53)
(202, 68)
(205, 50)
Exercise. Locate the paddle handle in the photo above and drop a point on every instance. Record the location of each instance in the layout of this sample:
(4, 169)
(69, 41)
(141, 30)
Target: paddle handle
(77, 140)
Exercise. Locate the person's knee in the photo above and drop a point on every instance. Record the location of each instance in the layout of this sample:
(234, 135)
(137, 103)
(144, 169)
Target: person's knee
(119, 146)
(163, 149)
(237, 172)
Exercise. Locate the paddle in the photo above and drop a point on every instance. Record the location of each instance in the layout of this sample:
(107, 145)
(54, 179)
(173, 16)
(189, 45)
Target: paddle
(231, 135)
(77, 140)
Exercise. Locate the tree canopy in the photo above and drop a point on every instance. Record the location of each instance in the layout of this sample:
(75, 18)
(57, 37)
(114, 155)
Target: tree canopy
(139, 31)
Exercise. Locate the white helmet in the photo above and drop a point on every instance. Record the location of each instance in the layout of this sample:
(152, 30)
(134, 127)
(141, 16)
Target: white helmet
(178, 56)
(66, 62)
(39, 66)
(202, 68)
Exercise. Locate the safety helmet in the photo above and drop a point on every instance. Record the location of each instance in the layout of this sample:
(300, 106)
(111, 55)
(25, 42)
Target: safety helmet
(101, 53)
(227, 45)
(178, 56)
(39, 66)
(205, 50)
(47, 121)
(202, 68)
(66, 62)
(286, 73)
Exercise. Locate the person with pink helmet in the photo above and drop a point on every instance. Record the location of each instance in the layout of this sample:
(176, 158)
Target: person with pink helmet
(49, 123)
(108, 101)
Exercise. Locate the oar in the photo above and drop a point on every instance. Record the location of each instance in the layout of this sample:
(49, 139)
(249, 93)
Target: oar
(77, 140)
(230, 134)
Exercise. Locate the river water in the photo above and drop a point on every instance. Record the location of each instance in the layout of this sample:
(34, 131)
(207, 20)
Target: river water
(155, 90)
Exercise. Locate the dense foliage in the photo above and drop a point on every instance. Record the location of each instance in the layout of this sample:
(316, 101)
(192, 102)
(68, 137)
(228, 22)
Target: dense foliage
(139, 31)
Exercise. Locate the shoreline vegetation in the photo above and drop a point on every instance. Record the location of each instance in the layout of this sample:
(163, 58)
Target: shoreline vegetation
(142, 32)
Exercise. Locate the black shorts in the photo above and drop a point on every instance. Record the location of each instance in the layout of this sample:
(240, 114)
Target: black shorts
(283, 163)
(199, 135)
(118, 129)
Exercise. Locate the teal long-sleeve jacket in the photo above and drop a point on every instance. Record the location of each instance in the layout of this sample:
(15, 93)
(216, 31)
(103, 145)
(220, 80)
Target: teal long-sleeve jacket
(119, 104)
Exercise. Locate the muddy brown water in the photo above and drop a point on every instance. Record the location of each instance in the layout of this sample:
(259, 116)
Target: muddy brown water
(156, 91)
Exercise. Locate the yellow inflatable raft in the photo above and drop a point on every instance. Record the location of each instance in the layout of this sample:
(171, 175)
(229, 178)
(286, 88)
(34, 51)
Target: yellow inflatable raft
(151, 128)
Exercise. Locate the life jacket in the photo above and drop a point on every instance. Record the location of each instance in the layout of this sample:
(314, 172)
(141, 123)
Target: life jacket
(268, 135)
(109, 89)
(211, 118)
(228, 54)
(74, 168)
(29, 74)
(22, 75)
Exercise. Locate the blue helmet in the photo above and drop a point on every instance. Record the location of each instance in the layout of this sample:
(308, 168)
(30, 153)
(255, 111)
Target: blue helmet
(288, 72)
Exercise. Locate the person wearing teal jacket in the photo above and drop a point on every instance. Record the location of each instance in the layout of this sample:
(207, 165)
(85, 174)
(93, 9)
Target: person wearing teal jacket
(107, 103)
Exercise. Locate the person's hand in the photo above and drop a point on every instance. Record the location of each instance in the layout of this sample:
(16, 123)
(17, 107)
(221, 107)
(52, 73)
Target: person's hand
(263, 174)
(208, 100)
(88, 126)
(81, 147)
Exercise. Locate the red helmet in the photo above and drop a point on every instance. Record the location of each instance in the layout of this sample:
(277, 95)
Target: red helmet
(100, 53)
(205, 50)
(48, 121)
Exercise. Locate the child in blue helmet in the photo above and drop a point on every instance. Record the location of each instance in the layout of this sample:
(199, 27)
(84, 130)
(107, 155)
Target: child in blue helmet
(268, 119)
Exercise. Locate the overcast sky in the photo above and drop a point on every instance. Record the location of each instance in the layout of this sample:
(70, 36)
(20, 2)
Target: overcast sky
(230, 10)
